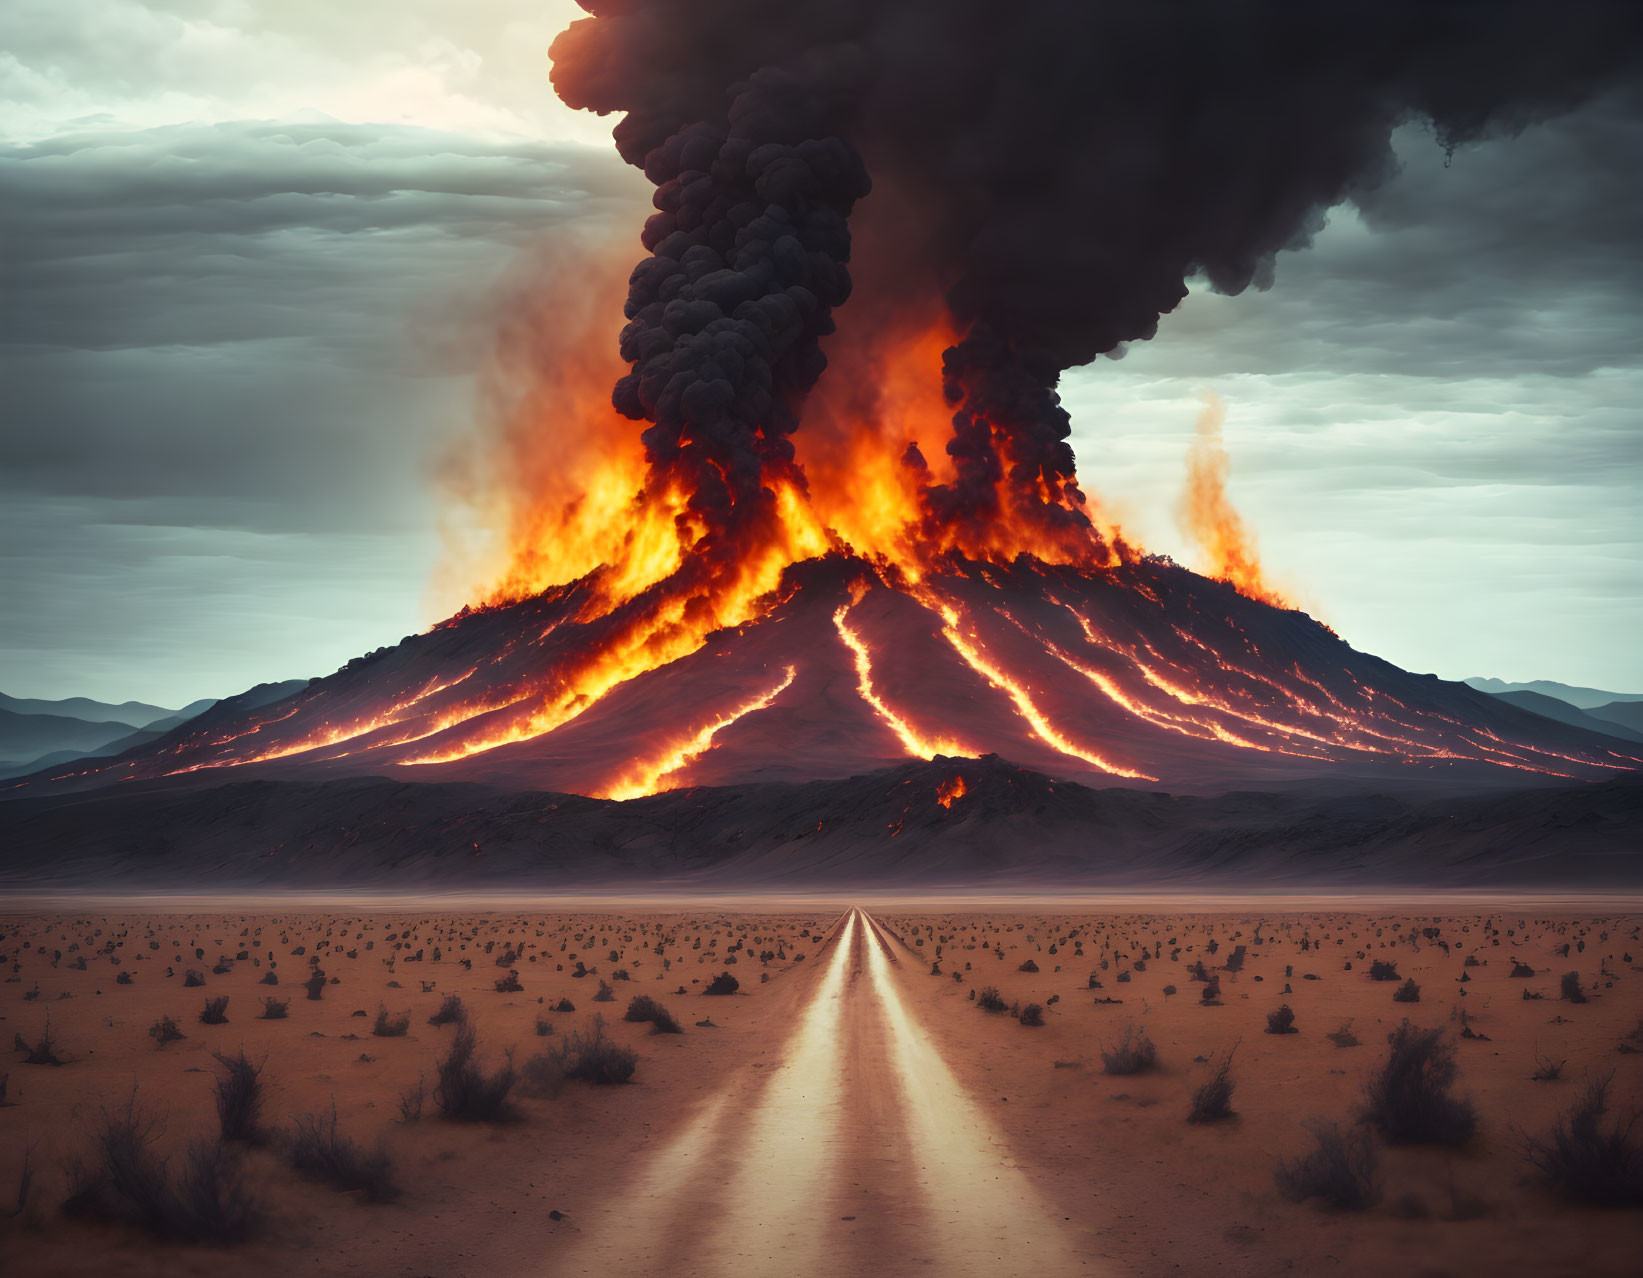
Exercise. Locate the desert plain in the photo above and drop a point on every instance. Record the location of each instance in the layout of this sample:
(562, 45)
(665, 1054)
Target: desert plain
(453, 1088)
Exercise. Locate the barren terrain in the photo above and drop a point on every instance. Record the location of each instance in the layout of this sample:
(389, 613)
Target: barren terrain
(850, 1107)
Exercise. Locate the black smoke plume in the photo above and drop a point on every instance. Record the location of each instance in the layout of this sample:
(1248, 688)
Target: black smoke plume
(1061, 168)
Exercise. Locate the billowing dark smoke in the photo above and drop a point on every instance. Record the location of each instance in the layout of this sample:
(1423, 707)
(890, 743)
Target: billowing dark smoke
(748, 259)
(1061, 168)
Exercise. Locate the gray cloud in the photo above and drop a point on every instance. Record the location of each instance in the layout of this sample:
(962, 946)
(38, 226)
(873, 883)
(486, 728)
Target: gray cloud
(1434, 413)
(1519, 255)
(231, 352)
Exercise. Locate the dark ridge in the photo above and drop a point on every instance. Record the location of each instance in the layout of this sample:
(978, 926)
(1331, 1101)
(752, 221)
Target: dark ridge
(1011, 826)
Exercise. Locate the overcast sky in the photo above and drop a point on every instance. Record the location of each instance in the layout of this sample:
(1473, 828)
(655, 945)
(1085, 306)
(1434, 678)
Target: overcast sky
(250, 256)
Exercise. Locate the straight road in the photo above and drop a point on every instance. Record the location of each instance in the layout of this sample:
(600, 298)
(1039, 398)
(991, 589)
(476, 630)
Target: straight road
(859, 1153)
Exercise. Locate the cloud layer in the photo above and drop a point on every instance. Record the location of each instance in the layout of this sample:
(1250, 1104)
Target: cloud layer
(231, 352)
(250, 256)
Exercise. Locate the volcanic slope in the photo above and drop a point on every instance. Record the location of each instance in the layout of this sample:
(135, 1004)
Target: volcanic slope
(1144, 675)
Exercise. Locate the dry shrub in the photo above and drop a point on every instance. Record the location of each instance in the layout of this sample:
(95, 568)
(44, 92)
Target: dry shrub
(1582, 1160)
(319, 1151)
(127, 1181)
(1546, 1069)
(410, 1103)
(593, 1058)
(1409, 1100)
(466, 1093)
(1339, 1169)
(387, 1026)
(644, 1008)
(43, 1051)
(1212, 1099)
(239, 1098)
(1134, 1053)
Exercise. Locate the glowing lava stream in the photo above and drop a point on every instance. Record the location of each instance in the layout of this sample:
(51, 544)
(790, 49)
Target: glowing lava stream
(348, 732)
(648, 777)
(916, 745)
(642, 644)
(1042, 728)
(1187, 727)
(1187, 697)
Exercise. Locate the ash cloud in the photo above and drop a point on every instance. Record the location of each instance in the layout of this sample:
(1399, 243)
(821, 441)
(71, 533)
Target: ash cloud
(1060, 170)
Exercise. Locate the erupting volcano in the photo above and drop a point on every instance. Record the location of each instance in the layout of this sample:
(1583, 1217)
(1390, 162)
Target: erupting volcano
(813, 511)
(1142, 673)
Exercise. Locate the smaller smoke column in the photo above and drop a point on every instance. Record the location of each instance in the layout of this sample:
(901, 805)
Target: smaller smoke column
(1009, 435)
(1205, 513)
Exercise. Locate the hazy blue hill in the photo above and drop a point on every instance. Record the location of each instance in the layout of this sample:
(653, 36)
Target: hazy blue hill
(1563, 712)
(1580, 698)
(30, 741)
(28, 736)
(1628, 714)
(134, 714)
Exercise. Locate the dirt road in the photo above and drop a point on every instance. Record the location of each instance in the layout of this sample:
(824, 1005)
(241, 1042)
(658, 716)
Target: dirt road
(860, 1152)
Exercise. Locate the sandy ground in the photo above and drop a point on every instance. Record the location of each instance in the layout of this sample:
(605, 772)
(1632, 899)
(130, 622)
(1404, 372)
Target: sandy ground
(847, 1111)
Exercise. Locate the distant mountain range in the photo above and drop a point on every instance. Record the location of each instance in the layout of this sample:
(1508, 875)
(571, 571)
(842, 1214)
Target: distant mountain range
(1626, 713)
(1580, 698)
(36, 733)
(1618, 714)
(133, 714)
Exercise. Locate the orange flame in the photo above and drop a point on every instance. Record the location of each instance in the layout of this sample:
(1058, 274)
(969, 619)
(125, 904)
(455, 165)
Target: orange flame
(556, 488)
(882, 397)
(1207, 516)
(950, 791)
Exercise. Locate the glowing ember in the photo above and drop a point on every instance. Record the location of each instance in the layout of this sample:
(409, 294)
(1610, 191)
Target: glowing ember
(950, 791)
